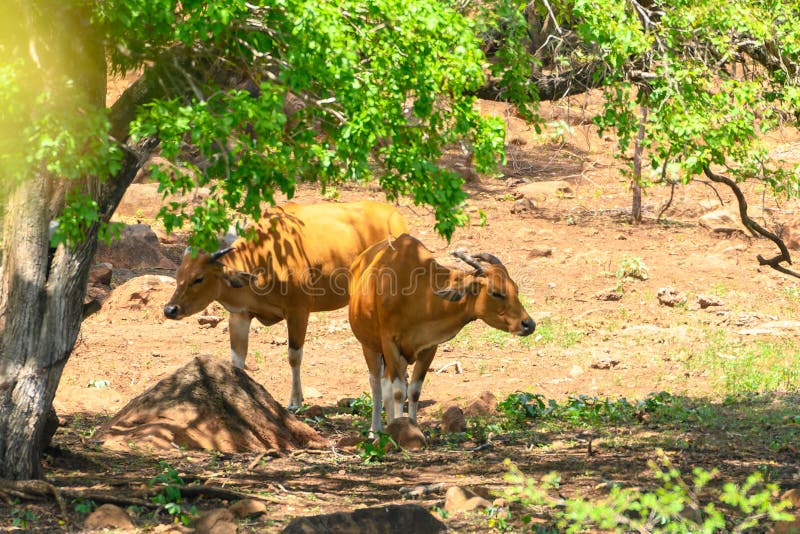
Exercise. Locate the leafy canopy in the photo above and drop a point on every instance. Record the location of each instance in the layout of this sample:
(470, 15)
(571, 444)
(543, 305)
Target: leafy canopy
(340, 91)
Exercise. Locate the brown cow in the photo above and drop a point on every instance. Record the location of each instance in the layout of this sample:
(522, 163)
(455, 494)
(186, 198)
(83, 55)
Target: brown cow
(296, 264)
(403, 304)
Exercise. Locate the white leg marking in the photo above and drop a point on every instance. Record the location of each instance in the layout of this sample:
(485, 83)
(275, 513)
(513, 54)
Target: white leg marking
(386, 396)
(414, 390)
(375, 386)
(239, 332)
(295, 359)
(398, 394)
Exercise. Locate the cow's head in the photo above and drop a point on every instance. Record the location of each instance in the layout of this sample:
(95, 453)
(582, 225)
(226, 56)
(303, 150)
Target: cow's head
(494, 295)
(200, 280)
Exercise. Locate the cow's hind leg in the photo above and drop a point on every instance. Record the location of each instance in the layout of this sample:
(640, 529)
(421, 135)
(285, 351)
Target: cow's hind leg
(424, 359)
(297, 323)
(394, 374)
(239, 328)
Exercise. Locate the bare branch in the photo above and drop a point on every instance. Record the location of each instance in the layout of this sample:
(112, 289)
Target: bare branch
(755, 228)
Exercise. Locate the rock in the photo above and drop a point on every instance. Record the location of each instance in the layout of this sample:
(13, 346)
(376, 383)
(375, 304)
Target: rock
(460, 499)
(392, 518)
(209, 321)
(523, 205)
(109, 516)
(406, 434)
(485, 404)
(349, 441)
(548, 189)
(100, 274)
(313, 412)
(790, 527)
(137, 247)
(604, 363)
(708, 300)
(216, 521)
(669, 296)
(776, 328)
(722, 221)
(540, 251)
(248, 508)
(610, 294)
(453, 420)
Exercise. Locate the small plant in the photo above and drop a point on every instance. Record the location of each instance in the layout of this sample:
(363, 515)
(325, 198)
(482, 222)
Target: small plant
(84, 506)
(22, 518)
(521, 406)
(374, 450)
(361, 406)
(632, 267)
(170, 496)
(674, 506)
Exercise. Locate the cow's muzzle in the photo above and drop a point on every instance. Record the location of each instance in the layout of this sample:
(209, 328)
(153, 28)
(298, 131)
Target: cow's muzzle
(528, 326)
(171, 312)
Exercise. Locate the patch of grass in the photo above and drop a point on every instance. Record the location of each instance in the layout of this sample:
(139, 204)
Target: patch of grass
(553, 332)
(677, 504)
(758, 366)
(632, 267)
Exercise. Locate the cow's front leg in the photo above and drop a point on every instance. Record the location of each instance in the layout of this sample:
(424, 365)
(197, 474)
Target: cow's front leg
(239, 329)
(297, 323)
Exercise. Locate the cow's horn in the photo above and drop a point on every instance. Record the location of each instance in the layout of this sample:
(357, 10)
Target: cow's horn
(488, 258)
(469, 261)
(218, 254)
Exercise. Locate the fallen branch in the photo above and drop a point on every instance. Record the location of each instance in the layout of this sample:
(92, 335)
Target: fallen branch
(755, 228)
(33, 490)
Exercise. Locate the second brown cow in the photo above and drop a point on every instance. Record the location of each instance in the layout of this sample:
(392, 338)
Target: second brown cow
(403, 304)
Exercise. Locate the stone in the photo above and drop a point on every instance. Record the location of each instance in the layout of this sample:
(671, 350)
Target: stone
(485, 404)
(722, 221)
(669, 296)
(610, 294)
(406, 434)
(540, 251)
(108, 516)
(137, 247)
(314, 411)
(216, 521)
(523, 205)
(248, 508)
(392, 518)
(460, 499)
(453, 420)
(705, 301)
(793, 526)
(548, 189)
(349, 441)
(144, 201)
(100, 274)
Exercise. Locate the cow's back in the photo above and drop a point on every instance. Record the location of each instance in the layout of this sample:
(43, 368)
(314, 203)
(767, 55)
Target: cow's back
(304, 251)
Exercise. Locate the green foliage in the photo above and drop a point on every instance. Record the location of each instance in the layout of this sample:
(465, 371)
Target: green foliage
(674, 505)
(84, 506)
(170, 496)
(521, 408)
(361, 406)
(632, 267)
(554, 332)
(758, 366)
(384, 85)
(22, 518)
(373, 450)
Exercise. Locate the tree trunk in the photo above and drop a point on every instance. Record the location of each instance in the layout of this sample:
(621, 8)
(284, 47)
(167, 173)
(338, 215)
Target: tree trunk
(41, 291)
(636, 186)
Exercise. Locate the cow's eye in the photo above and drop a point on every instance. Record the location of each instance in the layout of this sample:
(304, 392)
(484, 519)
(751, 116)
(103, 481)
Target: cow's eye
(198, 280)
(496, 295)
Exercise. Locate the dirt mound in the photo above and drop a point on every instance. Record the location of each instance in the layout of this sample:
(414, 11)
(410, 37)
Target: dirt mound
(207, 405)
(139, 298)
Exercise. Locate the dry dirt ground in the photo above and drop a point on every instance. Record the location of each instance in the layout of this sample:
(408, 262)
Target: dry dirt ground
(562, 253)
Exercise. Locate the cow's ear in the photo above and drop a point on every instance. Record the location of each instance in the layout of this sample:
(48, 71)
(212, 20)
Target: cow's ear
(236, 279)
(451, 293)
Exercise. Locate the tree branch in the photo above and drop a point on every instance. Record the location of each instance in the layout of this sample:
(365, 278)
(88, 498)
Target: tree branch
(755, 228)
